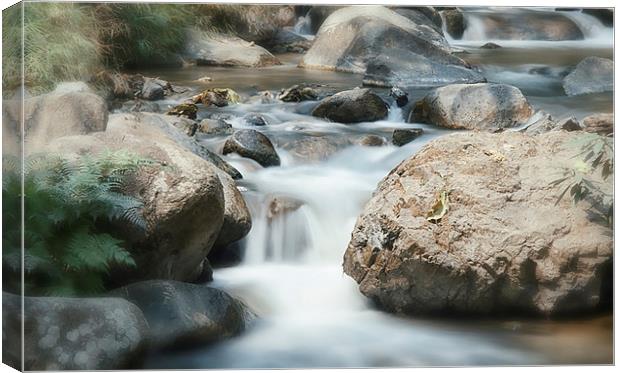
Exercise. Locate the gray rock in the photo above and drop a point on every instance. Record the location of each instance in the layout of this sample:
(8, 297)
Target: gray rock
(353, 106)
(483, 106)
(215, 127)
(503, 245)
(490, 46)
(254, 145)
(181, 314)
(153, 89)
(530, 25)
(592, 74)
(237, 218)
(400, 96)
(402, 136)
(372, 140)
(73, 333)
(254, 119)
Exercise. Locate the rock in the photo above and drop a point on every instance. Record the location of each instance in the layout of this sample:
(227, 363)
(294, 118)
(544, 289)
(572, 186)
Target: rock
(592, 74)
(569, 124)
(187, 126)
(490, 46)
(407, 69)
(254, 145)
(502, 246)
(153, 89)
(540, 122)
(402, 136)
(400, 96)
(605, 15)
(351, 37)
(261, 23)
(237, 219)
(219, 97)
(423, 15)
(530, 25)
(314, 148)
(353, 106)
(184, 202)
(73, 333)
(455, 23)
(280, 205)
(603, 124)
(223, 50)
(215, 127)
(372, 140)
(318, 15)
(483, 106)
(139, 106)
(187, 110)
(305, 92)
(287, 41)
(181, 314)
(254, 119)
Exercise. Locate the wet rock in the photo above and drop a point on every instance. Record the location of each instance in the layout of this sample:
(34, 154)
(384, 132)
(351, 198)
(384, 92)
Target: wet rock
(314, 148)
(490, 46)
(254, 119)
(54, 115)
(402, 136)
(237, 219)
(569, 124)
(483, 106)
(298, 93)
(318, 15)
(181, 314)
(353, 106)
(372, 140)
(605, 15)
(254, 145)
(455, 23)
(530, 25)
(280, 205)
(287, 41)
(153, 89)
(185, 110)
(225, 50)
(423, 15)
(502, 243)
(603, 124)
(400, 96)
(184, 202)
(592, 74)
(215, 127)
(219, 97)
(73, 333)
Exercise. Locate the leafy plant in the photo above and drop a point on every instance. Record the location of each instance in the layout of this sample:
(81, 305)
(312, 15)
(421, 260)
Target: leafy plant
(594, 164)
(67, 205)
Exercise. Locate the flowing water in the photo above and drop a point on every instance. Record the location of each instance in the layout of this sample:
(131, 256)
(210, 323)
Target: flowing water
(311, 314)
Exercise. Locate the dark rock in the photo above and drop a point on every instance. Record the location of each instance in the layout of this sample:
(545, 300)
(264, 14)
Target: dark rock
(483, 106)
(605, 15)
(402, 136)
(318, 14)
(140, 106)
(73, 333)
(186, 110)
(353, 106)
(569, 124)
(254, 119)
(181, 314)
(215, 127)
(592, 75)
(490, 46)
(455, 23)
(254, 145)
(153, 89)
(400, 96)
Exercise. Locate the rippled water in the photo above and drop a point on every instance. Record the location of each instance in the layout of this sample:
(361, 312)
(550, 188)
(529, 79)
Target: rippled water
(311, 314)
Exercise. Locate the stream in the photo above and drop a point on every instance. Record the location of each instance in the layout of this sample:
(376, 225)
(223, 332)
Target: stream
(311, 314)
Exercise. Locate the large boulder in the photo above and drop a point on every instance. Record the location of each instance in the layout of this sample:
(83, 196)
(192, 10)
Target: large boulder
(529, 25)
(73, 333)
(254, 145)
(63, 113)
(352, 106)
(181, 314)
(592, 74)
(225, 50)
(470, 225)
(352, 37)
(480, 106)
(183, 199)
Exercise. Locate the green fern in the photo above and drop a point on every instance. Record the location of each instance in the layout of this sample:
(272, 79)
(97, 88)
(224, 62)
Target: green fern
(67, 250)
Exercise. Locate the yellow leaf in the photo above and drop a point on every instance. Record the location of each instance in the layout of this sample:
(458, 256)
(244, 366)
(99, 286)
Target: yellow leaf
(439, 209)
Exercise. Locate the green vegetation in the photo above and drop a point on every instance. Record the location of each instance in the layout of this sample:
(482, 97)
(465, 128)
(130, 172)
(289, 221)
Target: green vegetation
(594, 164)
(67, 207)
(74, 41)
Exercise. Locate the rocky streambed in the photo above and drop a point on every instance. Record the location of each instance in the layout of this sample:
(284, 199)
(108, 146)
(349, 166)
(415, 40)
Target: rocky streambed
(384, 199)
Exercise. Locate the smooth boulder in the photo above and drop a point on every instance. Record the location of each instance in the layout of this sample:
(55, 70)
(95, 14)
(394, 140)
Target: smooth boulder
(483, 106)
(237, 218)
(470, 225)
(353, 106)
(254, 145)
(73, 333)
(591, 75)
(181, 314)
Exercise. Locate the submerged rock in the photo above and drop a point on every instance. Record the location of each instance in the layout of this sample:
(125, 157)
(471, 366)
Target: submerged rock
(470, 225)
(592, 74)
(254, 145)
(490, 46)
(73, 333)
(181, 314)
(372, 140)
(254, 119)
(403, 136)
(215, 127)
(484, 106)
(353, 106)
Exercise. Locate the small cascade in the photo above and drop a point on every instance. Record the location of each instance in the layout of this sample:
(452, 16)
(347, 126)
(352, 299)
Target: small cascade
(303, 26)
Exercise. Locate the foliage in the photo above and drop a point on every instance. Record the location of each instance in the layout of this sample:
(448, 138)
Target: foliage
(594, 164)
(67, 206)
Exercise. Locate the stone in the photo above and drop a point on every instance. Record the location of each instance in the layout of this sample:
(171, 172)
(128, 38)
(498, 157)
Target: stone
(353, 106)
(591, 75)
(215, 127)
(403, 136)
(400, 96)
(455, 23)
(602, 123)
(254, 119)
(254, 145)
(490, 46)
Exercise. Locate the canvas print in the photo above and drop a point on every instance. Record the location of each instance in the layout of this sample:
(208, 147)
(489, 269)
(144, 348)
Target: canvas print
(251, 186)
